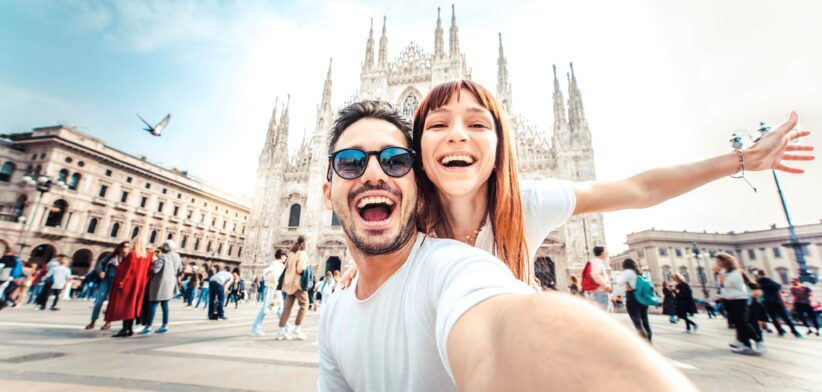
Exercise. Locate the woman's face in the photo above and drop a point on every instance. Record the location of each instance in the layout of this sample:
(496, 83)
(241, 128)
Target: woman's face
(459, 146)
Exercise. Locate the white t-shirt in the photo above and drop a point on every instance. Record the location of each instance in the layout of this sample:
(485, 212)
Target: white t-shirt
(628, 278)
(546, 204)
(61, 275)
(397, 339)
(272, 273)
(223, 277)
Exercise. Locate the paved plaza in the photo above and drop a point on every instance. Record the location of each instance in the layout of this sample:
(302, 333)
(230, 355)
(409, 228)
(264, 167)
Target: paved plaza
(50, 351)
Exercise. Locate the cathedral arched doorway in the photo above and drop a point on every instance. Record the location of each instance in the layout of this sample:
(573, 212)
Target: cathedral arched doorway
(545, 271)
(42, 254)
(333, 264)
(81, 261)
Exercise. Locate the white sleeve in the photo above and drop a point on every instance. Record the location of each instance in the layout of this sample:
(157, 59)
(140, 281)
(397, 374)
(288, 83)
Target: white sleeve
(462, 277)
(330, 378)
(547, 204)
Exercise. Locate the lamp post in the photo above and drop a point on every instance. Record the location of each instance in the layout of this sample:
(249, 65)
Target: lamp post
(794, 243)
(697, 254)
(43, 185)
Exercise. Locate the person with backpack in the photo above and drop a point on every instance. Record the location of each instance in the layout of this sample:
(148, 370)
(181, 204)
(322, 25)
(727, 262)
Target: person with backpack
(297, 282)
(639, 294)
(685, 304)
(595, 280)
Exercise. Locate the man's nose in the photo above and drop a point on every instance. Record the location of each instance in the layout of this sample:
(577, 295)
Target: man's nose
(373, 172)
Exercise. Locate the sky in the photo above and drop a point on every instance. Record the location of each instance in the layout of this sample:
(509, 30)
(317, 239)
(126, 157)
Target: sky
(663, 82)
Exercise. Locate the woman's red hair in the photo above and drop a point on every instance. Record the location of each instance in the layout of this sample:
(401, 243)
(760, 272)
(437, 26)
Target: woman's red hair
(504, 199)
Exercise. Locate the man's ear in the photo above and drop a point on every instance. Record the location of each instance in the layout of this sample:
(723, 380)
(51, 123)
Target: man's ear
(327, 196)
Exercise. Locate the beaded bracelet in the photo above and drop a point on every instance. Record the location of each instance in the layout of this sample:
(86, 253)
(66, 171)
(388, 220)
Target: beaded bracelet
(740, 173)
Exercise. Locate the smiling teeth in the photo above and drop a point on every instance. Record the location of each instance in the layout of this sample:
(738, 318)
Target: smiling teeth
(450, 158)
(366, 201)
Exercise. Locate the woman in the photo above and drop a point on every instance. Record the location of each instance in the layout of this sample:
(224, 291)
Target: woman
(234, 291)
(735, 295)
(106, 269)
(296, 263)
(163, 281)
(637, 311)
(685, 305)
(669, 302)
(573, 288)
(325, 288)
(471, 192)
(128, 288)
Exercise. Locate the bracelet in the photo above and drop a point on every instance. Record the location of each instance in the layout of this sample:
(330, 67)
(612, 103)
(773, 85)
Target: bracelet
(740, 172)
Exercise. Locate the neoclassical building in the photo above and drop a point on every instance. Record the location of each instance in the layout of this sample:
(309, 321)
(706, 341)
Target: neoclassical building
(109, 196)
(662, 253)
(288, 199)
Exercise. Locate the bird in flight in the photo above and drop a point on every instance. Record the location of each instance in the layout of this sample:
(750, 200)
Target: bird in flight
(157, 129)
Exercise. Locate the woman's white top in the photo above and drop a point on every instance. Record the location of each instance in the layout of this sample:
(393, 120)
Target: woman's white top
(628, 278)
(734, 287)
(546, 204)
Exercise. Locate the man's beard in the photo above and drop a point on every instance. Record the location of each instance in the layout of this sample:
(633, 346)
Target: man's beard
(406, 231)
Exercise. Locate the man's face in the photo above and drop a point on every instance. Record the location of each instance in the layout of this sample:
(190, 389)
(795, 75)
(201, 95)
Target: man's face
(377, 212)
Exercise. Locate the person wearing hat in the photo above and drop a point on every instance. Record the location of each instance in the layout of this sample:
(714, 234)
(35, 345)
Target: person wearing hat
(164, 272)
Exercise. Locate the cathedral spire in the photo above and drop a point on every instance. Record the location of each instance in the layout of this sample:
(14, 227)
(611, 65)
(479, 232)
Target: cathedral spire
(324, 111)
(503, 84)
(383, 60)
(454, 40)
(439, 49)
(326, 101)
(560, 120)
(282, 133)
(271, 134)
(369, 49)
(576, 112)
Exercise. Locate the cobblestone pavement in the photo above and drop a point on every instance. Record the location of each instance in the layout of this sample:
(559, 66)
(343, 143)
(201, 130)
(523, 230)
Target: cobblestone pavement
(50, 351)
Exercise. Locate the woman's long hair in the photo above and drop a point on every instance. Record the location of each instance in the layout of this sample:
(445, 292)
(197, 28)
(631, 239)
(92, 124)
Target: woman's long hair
(298, 245)
(630, 263)
(727, 262)
(139, 246)
(504, 199)
(118, 251)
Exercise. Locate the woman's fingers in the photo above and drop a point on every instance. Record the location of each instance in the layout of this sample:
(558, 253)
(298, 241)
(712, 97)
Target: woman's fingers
(788, 169)
(788, 125)
(795, 157)
(794, 147)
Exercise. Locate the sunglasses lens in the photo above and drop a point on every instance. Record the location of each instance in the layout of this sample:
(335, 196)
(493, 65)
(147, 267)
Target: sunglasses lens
(349, 164)
(396, 162)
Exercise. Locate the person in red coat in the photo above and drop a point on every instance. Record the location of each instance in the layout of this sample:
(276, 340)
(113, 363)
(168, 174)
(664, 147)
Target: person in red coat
(126, 297)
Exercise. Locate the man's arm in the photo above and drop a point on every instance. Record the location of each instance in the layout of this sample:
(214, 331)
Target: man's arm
(519, 342)
(657, 185)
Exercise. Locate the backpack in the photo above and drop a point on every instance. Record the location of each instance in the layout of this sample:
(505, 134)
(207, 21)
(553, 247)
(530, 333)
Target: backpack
(644, 292)
(588, 283)
(307, 279)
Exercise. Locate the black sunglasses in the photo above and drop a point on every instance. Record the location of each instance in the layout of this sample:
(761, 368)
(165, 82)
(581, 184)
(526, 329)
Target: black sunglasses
(350, 163)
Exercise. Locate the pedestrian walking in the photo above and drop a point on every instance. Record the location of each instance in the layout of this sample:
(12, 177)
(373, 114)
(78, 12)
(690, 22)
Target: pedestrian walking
(202, 296)
(234, 290)
(595, 280)
(736, 294)
(217, 287)
(296, 264)
(324, 289)
(271, 275)
(48, 282)
(165, 270)
(60, 277)
(669, 302)
(128, 288)
(573, 287)
(106, 270)
(11, 276)
(802, 305)
(636, 310)
(685, 304)
(193, 284)
(774, 305)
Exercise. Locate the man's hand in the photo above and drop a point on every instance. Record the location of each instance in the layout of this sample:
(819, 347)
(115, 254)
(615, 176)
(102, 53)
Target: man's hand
(775, 147)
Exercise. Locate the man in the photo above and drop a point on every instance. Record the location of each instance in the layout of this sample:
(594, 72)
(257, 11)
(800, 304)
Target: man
(436, 314)
(772, 299)
(60, 277)
(162, 283)
(271, 275)
(12, 269)
(802, 305)
(217, 286)
(599, 275)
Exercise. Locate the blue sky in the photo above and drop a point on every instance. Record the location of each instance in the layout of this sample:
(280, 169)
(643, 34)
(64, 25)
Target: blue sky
(662, 82)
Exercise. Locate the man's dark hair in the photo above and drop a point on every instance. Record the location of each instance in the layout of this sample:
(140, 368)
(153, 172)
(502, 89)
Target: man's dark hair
(599, 250)
(279, 253)
(357, 111)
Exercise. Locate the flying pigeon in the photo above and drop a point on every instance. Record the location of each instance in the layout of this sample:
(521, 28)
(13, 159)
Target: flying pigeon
(157, 129)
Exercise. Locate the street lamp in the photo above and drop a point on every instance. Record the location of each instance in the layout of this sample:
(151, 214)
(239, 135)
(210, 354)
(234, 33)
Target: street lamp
(794, 243)
(43, 184)
(700, 271)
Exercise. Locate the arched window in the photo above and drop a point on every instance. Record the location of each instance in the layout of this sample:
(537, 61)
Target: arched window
(170, 236)
(62, 175)
(135, 232)
(74, 182)
(183, 243)
(115, 229)
(208, 246)
(196, 244)
(152, 237)
(409, 106)
(335, 221)
(6, 171)
(92, 226)
(220, 248)
(56, 213)
(294, 216)
(230, 248)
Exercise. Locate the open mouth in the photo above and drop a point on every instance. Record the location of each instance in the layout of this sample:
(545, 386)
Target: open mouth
(375, 209)
(459, 160)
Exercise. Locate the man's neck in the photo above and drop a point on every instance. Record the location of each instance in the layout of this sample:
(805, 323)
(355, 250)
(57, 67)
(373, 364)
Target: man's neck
(465, 213)
(374, 270)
